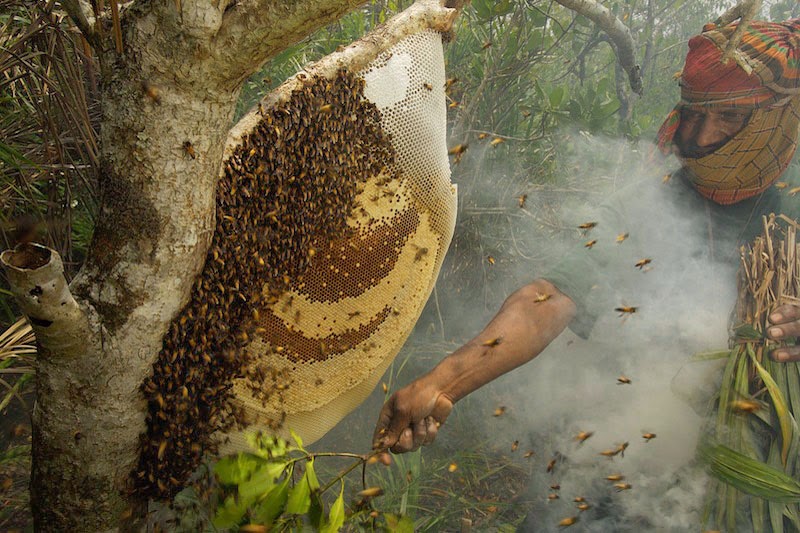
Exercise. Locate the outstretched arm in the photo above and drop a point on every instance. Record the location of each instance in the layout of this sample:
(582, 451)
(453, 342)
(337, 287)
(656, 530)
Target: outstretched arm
(526, 323)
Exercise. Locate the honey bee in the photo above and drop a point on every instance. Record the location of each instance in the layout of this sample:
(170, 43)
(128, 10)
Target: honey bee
(450, 82)
(641, 263)
(622, 486)
(353, 314)
(486, 44)
(745, 406)
(677, 75)
(491, 343)
(457, 149)
(626, 310)
(325, 108)
(648, 436)
(622, 380)
(385, 387)
(579, 499)
(542, 297)
(499, 411)
(427, 86)
(615, 477)
(452, 467)
(583, 435)
(590, 244)
(161, 449)
(490, 259)
(793, 191)
(586, 226)
(496, 141)
(621, 449)
(371, 492)
(569, 521)
(781, 184)
(521, 200)
(482, 136)
(514, 445)
(621, 237)
(152, 92)
(609, 453)
(551, 465)
(253, 528)
(553, 496)
(555, 486)
(189, 149)
(584, 506)
(420, 253)
(526, 114)
(528, 454)
(453, 105)
(666, 178)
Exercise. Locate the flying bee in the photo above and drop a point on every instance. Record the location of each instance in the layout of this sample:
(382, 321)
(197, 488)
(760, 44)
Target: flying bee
(542, 298)
(584, 506)
(622, 486)
(453, 105)
(555, 486)
(482, 136)
(666, 178)
(371, 492)
(514, 445)
(590, 244)
(615, 477)
(583, 435)
(623, 380)
(452, 467)
(496, 141)
(626, 310)
(490, 259)
(528, 454)
(526, 114)
(553, 496)
(648, 436)
(486, 44)
(793, 191)
(491, 343)
(450, 82)
(152, 92)
(457, 149)
(586, 226)
(499, 411)
(781, 184)
(566, 522)
(621, 449)
(609, 453)
(189, 149)
(427, 86)
(621, 237)
(521, 200)
(579, 499)
(552, 465)
(677, 75)
(744, 405)
(641, 263)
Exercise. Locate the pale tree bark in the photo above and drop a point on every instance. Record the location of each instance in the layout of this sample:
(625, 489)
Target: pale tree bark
(168, 100)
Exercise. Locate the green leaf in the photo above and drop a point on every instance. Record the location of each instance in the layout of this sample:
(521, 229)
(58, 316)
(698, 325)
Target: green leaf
(236, 469)
(749, 475)
(261, 482)
(785, 418)
(230, 513)
(299, 497)
(398, 524)
(297, 439)
(747, 332)
(710, 356)
(557, 96)
(273, 505)
(336, 516)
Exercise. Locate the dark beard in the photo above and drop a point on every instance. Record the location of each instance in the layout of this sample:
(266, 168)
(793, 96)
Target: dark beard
(693, 151)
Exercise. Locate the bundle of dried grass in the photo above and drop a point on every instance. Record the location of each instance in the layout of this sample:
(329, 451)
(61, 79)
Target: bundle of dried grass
(753, 448)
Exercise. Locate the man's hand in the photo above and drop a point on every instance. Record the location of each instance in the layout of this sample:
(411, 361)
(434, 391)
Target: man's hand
(411, 417)
(785, 325)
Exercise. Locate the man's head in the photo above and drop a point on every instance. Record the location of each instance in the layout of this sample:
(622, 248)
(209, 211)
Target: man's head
(735, 129)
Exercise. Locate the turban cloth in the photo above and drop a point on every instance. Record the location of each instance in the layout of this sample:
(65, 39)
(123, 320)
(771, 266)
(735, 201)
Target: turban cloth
(763, 75)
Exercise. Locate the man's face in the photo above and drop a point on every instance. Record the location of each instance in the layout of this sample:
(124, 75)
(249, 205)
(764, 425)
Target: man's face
(704, 129)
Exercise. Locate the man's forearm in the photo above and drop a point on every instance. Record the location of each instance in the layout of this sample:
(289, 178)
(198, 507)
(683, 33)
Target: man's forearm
(527, 322)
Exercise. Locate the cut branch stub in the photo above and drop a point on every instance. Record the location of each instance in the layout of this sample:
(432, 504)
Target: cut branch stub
(36, 276)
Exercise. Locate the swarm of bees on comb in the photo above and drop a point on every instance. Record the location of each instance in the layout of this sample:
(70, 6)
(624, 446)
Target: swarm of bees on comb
(286, 190)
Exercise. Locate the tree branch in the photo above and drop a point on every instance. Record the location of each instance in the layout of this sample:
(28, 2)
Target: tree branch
(617, 31)
(36, 276)
(745, 10)
(81, 14)
(423, 14)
